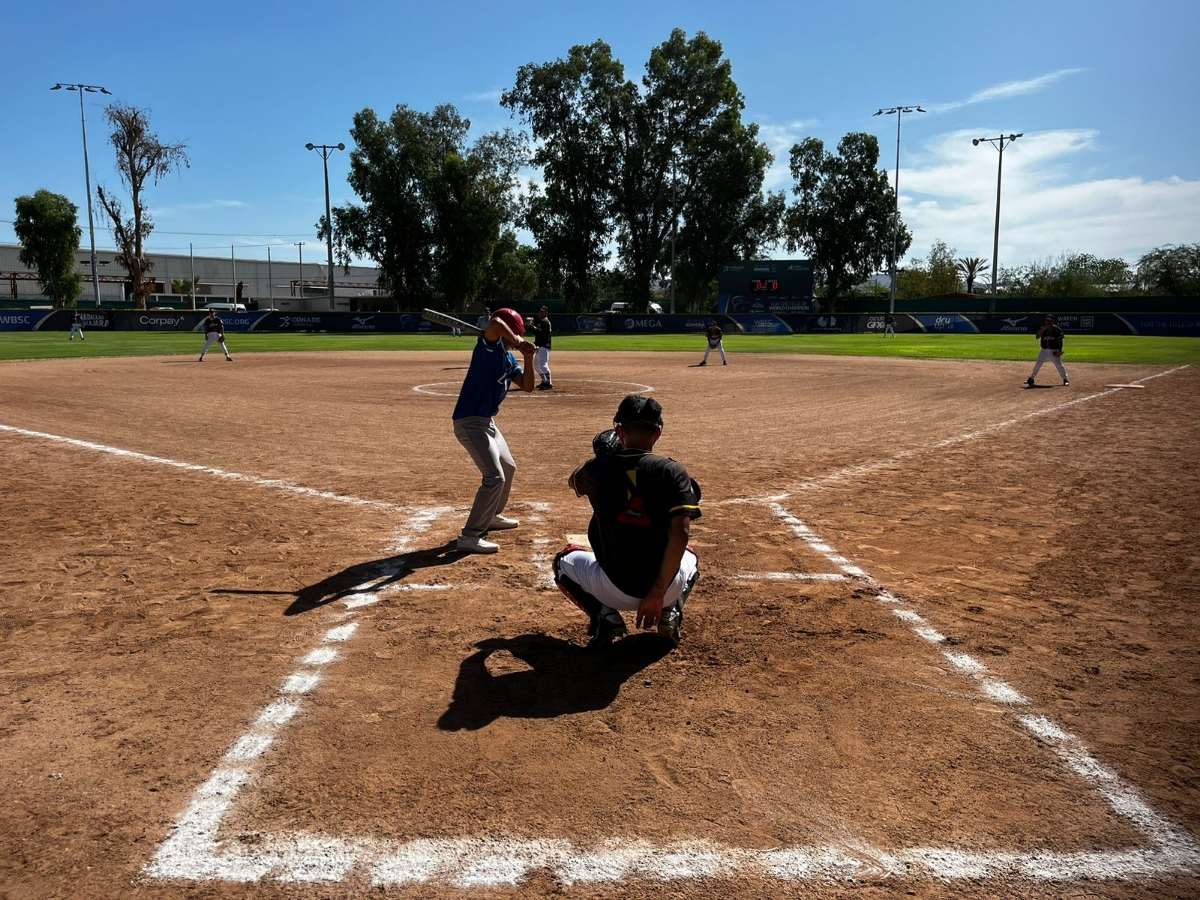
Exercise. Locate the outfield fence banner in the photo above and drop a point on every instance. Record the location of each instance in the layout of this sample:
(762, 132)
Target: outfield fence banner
(875, 324)
(762, 324)
(1071, 323)
(818, 324)
(1163, 325)
(26, 319)
(948, 323)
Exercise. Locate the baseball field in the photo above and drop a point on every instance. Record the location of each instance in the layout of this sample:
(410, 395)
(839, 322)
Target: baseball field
(943, 643)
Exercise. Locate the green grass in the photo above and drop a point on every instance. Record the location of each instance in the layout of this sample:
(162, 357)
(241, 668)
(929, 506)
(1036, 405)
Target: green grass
(1099, 349)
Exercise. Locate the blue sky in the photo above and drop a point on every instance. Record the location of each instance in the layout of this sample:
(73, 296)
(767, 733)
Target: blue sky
(1104, 91)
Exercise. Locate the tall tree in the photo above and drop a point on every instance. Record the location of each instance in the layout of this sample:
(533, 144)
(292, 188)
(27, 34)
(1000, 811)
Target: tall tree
(844, 214)
(726, 214)
(567, 106)
(140, 156)
(47, 226)
(1173, 271)
(661, 133)
(943, 270)
(512, 274)
(971, 267)
(432, 203)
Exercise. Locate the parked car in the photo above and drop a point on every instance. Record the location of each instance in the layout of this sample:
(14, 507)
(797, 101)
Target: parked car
(227, 307)
(626, 308)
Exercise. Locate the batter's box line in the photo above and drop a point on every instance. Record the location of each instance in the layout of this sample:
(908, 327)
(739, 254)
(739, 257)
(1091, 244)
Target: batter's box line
(1121, 796)
(195, 851)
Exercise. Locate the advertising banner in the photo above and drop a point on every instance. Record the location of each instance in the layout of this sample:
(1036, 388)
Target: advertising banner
(1163, 325)
(873, 324)
(1071, 323)
(761, 324)
(813, 324)
(28, 319)
(949, 323)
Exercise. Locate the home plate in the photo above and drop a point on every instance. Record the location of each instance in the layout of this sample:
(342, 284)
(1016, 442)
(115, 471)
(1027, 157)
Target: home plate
(1136, 386)
(579, 540)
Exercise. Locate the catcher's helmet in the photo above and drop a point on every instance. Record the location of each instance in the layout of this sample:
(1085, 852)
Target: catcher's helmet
(512, 319)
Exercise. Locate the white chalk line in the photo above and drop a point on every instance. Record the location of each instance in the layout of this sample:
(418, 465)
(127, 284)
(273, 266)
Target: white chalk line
(870, 468)
(1174, 849)
(273, 483)
(194, 851)
(452, 388)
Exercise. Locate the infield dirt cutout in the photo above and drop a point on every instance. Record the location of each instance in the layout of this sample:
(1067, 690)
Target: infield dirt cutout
(153, 616)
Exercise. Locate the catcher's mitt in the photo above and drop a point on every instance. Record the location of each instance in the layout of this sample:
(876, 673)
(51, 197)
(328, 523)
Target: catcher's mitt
(606, 443)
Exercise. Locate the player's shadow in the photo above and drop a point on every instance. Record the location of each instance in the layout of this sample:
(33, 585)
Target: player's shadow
(1034, 387)
(550, 677)
(374, 575)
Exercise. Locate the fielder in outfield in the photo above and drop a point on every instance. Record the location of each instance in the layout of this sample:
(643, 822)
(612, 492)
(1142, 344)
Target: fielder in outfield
(642, 510)
(492, 370)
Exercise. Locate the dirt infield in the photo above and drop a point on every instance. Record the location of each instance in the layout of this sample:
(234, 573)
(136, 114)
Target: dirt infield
(943, 645)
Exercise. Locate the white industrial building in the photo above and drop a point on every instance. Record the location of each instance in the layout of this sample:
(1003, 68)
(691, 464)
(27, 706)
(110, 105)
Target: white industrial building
(276, 284)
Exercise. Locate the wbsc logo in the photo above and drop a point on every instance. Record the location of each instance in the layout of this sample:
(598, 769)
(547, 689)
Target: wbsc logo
(11, 319)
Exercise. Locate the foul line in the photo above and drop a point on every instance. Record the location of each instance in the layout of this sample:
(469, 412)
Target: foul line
(273, 483)
(890, 462)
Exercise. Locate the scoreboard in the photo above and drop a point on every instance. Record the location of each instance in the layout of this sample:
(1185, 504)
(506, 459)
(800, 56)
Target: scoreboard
(765, 286)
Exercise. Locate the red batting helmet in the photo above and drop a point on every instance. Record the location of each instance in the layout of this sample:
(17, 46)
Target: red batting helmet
(512, 319)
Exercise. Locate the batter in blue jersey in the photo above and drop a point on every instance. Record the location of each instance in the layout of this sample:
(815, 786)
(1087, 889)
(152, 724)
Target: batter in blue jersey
(493, 368)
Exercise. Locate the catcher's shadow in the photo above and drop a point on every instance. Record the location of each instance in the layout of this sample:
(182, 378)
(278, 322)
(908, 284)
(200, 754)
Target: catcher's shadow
(547, 677)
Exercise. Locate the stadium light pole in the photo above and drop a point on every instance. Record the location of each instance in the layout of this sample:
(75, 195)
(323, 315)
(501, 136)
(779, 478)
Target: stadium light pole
(999, 144)
(326, 149)
(899, 112)
(87, 175)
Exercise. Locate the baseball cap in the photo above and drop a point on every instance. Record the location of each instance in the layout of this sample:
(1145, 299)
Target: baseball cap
(633, 409)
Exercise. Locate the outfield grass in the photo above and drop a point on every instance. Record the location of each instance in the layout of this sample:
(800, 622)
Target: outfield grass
(1101, 349)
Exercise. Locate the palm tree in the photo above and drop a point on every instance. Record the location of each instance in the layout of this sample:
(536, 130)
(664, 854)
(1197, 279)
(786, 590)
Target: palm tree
(971, 267)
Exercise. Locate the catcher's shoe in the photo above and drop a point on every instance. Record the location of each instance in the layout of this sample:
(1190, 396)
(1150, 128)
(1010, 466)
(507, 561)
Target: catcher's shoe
(671, 621)
(606, 627)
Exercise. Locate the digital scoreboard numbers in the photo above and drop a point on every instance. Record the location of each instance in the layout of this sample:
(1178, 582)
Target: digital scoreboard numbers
(764, 286)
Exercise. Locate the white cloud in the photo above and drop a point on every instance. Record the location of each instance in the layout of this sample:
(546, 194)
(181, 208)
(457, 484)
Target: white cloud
(779, 139)
(1006, 89)
(948, 192)
(484, 96)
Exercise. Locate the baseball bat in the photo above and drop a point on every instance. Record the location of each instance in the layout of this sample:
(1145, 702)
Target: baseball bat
(441, 318)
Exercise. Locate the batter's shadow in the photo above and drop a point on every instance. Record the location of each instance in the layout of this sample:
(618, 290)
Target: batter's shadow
(376, 573)
(561, 678)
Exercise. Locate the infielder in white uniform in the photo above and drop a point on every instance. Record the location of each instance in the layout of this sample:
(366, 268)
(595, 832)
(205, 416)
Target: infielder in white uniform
(214, 333)
(715, 342)
(1051, 337)
(541, 358)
